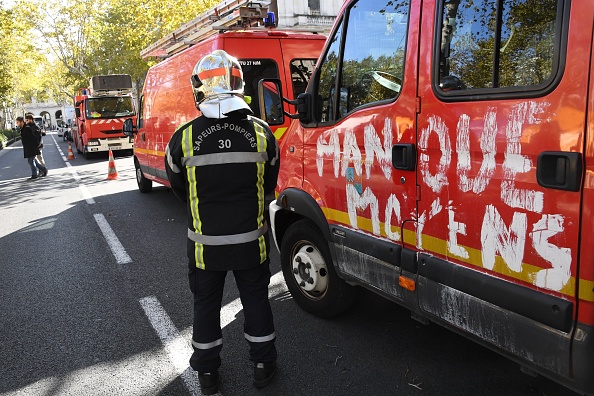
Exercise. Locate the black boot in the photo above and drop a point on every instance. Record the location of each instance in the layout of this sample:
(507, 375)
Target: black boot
(209, 382)
(263, 373)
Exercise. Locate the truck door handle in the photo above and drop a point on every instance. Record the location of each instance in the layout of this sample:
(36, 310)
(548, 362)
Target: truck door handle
(559, 170)
(404, 156)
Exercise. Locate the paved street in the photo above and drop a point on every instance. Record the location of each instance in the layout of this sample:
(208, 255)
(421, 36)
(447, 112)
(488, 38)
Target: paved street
(95, 301)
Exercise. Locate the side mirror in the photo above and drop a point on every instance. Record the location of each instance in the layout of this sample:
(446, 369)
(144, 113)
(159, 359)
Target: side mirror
(129, 128)
(77, 112)
(270, 99)
(305, 110)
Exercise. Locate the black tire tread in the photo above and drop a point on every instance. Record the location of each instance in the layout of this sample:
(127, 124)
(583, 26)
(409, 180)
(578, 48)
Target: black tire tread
(144, 185)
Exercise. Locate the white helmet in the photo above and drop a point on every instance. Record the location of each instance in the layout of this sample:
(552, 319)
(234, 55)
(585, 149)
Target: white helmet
(216, 74)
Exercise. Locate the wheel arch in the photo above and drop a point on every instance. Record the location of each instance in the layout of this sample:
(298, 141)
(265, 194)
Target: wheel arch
(297, 205)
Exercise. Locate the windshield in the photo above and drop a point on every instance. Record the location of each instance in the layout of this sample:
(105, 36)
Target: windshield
(110, 107)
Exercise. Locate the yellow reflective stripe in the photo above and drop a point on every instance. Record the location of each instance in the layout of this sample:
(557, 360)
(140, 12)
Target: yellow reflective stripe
(439, 246)
(261, 144)
(279, 132)
(188, 151)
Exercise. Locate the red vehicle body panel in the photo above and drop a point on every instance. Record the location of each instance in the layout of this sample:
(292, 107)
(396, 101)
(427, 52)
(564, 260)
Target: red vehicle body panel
(473, 201)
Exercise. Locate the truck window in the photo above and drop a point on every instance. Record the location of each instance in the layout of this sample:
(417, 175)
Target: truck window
(141, 112)
(301, 70)
(39, 122)
(110, 107)
(327, 78)
(498, 43)
(372, 66)
(253, 71)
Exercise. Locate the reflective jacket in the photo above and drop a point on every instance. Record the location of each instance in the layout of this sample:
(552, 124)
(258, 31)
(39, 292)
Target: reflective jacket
(223, 168)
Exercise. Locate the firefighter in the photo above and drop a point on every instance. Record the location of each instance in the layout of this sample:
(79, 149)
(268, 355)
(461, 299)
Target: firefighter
(222, 164)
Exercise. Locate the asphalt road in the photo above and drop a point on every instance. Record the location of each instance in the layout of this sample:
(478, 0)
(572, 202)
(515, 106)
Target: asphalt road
(95, 301)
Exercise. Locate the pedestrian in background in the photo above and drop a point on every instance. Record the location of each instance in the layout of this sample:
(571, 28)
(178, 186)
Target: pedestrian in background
(222, 164)
(39, 133)
(31, 149)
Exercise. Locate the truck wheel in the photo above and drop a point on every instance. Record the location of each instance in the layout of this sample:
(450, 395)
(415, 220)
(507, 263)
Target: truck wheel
(77, 149)
(309, 272)
(144, 185)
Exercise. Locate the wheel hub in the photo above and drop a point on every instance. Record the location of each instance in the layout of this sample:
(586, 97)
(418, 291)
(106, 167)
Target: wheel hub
(310, 270)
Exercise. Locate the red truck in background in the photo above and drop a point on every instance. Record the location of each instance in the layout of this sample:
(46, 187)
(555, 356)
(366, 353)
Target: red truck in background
(167, 100)
(100, 111)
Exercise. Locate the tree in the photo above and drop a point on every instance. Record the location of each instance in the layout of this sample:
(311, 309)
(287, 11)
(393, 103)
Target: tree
(129, 26)
(6, 31)
(62, 44)
(70, 33)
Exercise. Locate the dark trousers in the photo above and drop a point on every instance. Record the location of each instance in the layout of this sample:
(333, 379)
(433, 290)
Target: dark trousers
(35, 166)
(258, 326)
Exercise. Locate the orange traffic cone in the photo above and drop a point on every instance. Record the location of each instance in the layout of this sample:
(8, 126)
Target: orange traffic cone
(112, 173)
(70, 153)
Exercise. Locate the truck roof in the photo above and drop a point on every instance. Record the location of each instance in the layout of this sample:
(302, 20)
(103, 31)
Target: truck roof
(252, 33)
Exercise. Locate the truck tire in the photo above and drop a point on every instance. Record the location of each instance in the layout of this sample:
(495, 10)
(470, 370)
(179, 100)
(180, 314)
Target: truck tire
(144, 185)
(78, 149)
(309, 272)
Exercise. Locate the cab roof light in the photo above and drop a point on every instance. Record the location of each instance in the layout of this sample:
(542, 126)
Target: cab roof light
(270, 20)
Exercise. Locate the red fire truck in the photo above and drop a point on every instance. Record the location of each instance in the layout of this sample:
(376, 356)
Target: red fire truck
(167, 100)
(444, 159)
(100, 111)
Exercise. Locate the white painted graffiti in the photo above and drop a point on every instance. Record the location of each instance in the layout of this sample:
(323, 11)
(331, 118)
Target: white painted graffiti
(497, 238)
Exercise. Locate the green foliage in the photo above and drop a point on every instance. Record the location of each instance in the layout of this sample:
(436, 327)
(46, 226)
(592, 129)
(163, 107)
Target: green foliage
(526, 55)
(7, 47)
(7, 137)
(129, 26)
(55, 47)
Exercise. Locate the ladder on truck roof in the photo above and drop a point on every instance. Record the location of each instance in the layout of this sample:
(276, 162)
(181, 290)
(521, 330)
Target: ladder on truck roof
(229, 14)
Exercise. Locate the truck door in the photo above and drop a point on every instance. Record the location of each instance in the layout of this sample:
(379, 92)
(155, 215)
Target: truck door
(140, 141)
(361, 151)
(299, 58)
(501, 139)
(164, 103)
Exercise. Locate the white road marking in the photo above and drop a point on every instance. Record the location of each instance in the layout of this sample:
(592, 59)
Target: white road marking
(86, 194)
(178, 349)
(112, 240)
(83, 189)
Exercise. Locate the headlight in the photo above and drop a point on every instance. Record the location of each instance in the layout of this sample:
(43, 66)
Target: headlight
(93, 143)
